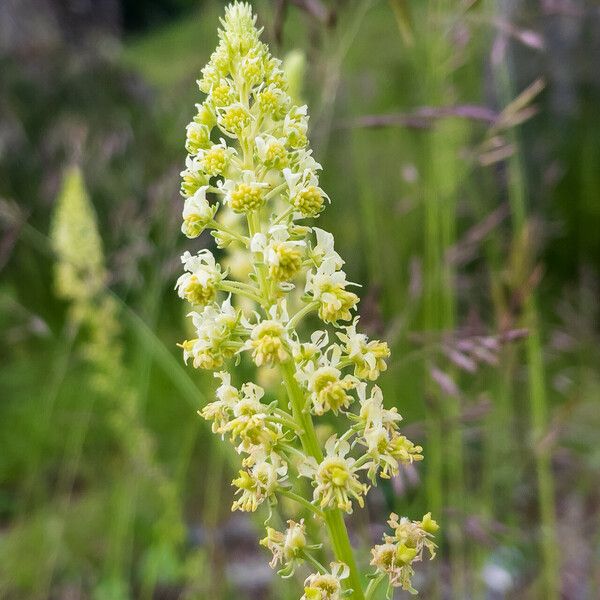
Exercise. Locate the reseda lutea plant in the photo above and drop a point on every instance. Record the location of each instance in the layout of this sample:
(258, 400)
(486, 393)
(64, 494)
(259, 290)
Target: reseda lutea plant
(248, 150)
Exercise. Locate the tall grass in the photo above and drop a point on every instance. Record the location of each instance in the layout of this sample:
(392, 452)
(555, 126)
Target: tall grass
(534, 352)
(442, 172)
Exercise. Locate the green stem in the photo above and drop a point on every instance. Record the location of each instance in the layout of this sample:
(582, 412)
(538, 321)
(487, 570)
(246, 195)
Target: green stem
(543, 464)
(294, 451)
(350, 432)
(303, 501)
(373, 585)
(284, 215)
(227, 287)
(334, 520)
(363, 460)
(282, 413)
(260, 267)
(242, 286)
(313, 561)
(227, 230)
(293, 322)
(276, 191)
(285, 422)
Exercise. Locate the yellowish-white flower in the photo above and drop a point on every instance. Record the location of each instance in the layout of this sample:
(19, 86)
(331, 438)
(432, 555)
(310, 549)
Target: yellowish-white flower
(287, 547)
(386, 448)
(239, 33)
(327, 285)
(198, 285)
(192, 177)
(234, 119)
(397, 554)
(367, 356)
(302, 160)
(414, 534)
(387, 451)
(295, 126)
(324, 249)
(269, 341)
(215, 160)
(249, 422)
(304, 192)
(328, 388)
(219, 411)
(198, 137)
(326, 586)
(206, 115)
(272, 102)
(308, 352)
(218, 337)
(221, 94)
(197, 213)
(244, 195)
(336, 478)
(282, 255)
(372, 413)
(271, 151)
(259, 482)
(226, 392)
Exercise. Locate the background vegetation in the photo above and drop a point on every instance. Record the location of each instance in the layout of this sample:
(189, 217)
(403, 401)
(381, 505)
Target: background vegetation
(461, 147)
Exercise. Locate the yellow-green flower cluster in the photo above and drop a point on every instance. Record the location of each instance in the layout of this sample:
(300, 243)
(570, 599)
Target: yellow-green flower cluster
(326, 585)
(288, 548)
(80, 272)
(396, 556)
(251, 180)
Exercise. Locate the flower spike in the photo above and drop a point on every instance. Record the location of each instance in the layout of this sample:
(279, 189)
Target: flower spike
(255, 190)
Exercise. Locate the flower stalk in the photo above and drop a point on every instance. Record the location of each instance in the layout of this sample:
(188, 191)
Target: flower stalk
(334, 520)
(265, 182)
